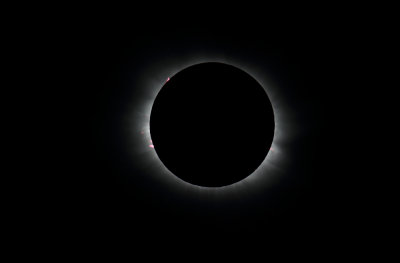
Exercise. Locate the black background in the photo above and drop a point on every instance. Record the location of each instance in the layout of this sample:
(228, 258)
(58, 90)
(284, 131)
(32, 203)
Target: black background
(90, 190)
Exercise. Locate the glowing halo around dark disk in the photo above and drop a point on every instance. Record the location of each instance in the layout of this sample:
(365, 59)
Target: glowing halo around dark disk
(152, 80)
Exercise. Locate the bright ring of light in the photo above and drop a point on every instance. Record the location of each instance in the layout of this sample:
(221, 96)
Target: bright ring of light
(153, 79)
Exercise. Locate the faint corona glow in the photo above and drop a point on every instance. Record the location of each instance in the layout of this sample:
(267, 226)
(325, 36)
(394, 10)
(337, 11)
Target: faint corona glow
(270, 170)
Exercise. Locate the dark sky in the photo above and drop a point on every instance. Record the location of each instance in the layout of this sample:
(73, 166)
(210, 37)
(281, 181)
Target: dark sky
(93, 189)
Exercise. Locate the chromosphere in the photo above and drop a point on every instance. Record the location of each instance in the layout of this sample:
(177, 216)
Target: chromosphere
(212, 124)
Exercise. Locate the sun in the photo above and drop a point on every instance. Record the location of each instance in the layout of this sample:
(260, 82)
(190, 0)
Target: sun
(137, 120)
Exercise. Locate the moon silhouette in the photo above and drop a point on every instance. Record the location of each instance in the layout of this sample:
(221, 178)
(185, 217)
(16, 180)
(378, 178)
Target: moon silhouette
(212, 124)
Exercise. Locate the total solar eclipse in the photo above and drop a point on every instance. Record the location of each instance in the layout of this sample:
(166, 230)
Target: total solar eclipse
(212, 124)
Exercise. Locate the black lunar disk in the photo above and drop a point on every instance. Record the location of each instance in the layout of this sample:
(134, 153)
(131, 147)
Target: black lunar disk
(212, 124)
